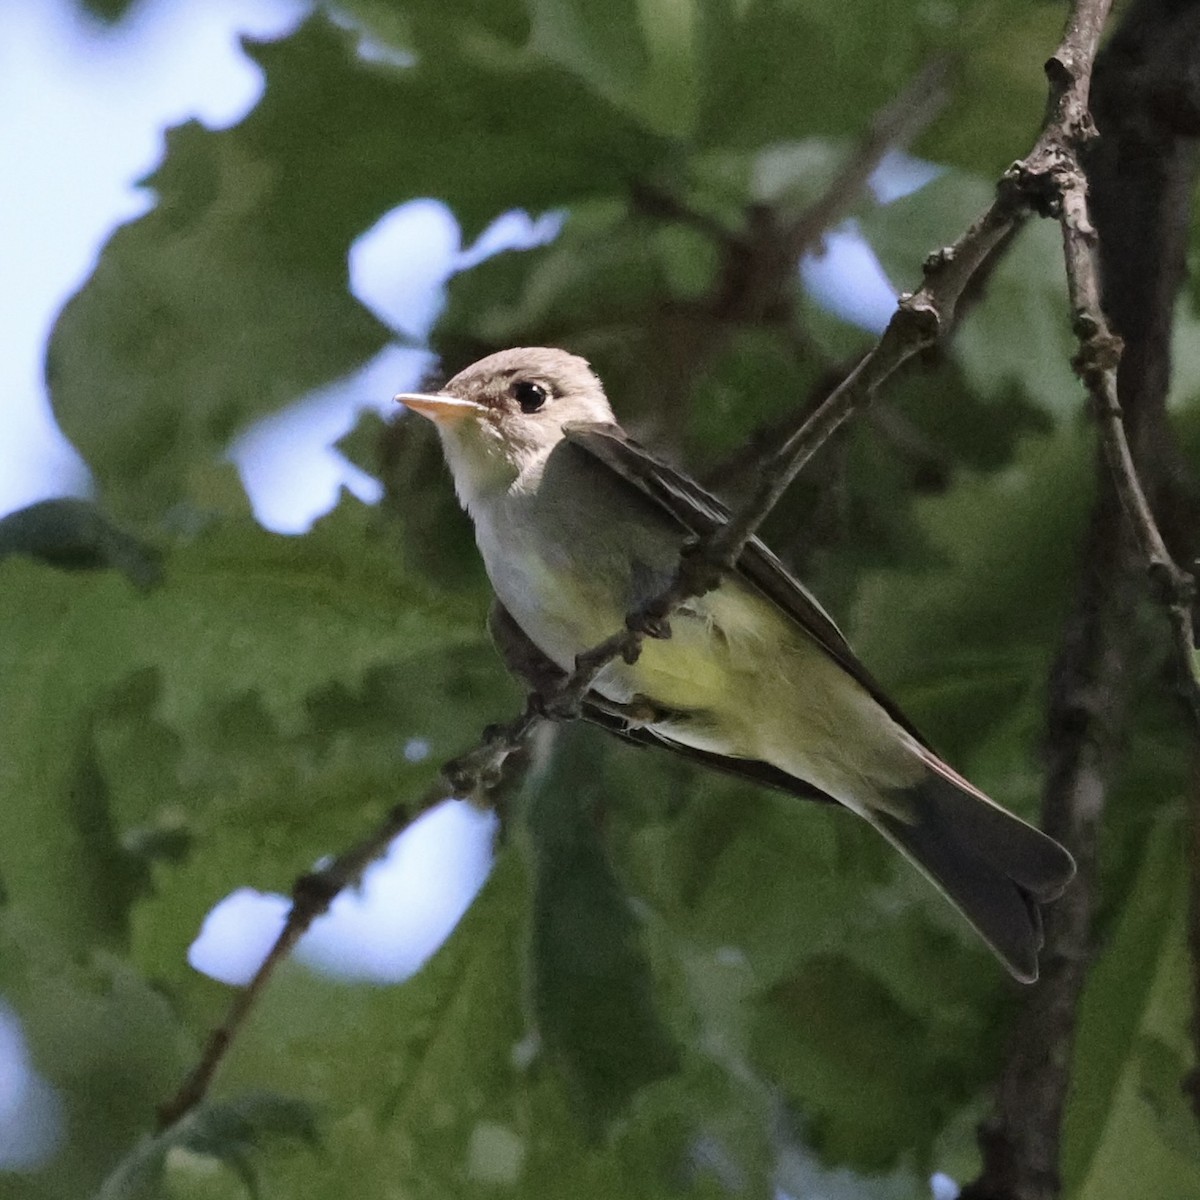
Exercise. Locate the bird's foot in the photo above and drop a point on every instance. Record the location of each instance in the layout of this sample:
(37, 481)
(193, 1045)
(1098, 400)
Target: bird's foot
(649, 624)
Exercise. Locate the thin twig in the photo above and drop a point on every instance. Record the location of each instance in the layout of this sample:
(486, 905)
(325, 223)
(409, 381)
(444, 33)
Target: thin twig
(893, 127)
(1062, 179)
(918, 322)
(481, 774)
(757, 280)
(651, 200)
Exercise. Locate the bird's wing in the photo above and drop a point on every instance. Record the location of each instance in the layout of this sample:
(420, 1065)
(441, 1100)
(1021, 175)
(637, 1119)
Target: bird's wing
(599, 711)
(524, 659)
(700, 512)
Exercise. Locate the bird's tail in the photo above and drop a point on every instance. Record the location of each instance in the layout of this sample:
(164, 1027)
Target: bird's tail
(993, 866)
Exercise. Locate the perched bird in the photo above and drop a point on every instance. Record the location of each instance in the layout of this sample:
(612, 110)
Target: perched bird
(578, 526)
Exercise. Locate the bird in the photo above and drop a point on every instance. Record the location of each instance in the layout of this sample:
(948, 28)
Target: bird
(578, 526)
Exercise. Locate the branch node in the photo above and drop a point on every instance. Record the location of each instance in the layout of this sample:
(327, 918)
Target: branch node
(917, 319)
(562, 705)
(1170, 585)
(1095, 361)
(494, 733)
(478, 770)
(1059, 72)
(1038, 183)
(935, 261)
(314, 891)
(1082, 130)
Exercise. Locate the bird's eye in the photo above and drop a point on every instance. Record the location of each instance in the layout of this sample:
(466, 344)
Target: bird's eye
(530, 396)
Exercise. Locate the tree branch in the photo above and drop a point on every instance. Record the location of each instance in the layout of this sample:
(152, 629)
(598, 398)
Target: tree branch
(485, 774)
(1142, 267)
(1096, 365)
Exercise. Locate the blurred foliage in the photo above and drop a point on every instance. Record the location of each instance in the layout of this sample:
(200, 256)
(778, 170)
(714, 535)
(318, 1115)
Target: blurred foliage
(672, 984)
(109, 12)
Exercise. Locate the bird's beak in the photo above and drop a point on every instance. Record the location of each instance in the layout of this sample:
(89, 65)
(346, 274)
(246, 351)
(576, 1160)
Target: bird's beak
(443, 410)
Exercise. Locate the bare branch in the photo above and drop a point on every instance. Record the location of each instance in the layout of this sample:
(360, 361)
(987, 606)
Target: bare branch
(484, 774)
(1096, 365)
(1089, 688)
(760, 265)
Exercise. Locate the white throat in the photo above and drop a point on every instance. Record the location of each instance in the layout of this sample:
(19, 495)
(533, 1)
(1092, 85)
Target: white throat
(485, 470)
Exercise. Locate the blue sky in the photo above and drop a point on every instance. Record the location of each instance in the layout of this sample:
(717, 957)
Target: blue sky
(84, 111)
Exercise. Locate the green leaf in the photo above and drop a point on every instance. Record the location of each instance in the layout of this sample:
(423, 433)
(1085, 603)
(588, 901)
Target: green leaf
(228, 1133)
(1162, 1075)
(99, 1034)
(965, 645)
(851, 1056)
(111, 12)
(766, 67)
(595, 274)
(997, 85)
(847, 981)
(240, 612)
(1133, 1021)
(75, 534)
(592, 988)
(639, 54)
(221, 305)
(229, 299)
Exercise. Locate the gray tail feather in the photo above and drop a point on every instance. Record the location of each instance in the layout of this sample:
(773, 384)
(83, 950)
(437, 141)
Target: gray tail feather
(993, 866)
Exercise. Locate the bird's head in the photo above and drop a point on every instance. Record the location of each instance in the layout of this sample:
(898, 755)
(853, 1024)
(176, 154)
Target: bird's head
(501, 417)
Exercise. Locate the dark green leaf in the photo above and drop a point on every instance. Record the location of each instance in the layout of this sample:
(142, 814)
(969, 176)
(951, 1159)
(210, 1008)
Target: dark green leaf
(1163, 1076)
(240, 612)
(1119, 1129)
(229, 299)
(592, 989)
(75, 534)
(228, 1133)
(822, 1034)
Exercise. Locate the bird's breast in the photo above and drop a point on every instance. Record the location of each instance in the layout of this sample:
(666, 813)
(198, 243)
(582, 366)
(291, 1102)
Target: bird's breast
(564, 587)
(569, 585)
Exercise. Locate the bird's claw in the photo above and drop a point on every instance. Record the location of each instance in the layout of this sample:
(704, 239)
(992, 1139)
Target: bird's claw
(649, 624)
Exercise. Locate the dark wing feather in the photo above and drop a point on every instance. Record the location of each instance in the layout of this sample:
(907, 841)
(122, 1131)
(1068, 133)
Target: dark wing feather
(700, 513)
(598, 711)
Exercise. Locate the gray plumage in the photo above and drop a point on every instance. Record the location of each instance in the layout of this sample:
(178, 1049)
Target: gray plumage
(577, 525)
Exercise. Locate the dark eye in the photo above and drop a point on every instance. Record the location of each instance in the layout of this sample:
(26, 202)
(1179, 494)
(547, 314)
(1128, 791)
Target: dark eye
(530, 396)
